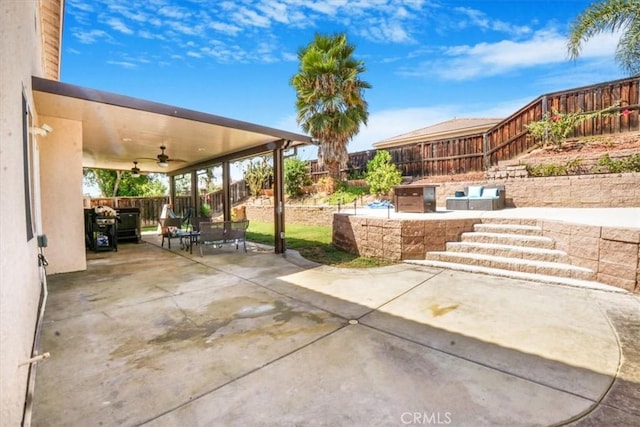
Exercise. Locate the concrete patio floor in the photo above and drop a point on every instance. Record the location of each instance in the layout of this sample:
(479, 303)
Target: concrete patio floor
(148, 336)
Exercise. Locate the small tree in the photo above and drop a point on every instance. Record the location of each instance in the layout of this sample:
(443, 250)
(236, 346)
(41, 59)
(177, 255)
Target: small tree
(381, 174)
(257, 174)
(296, 176)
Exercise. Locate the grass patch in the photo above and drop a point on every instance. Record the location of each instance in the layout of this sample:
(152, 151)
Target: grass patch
(313, 242)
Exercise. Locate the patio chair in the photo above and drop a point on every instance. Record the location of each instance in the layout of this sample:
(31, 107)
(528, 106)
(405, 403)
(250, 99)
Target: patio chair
(217, 233)
(211, 233)
(238, 232)
(170, 229)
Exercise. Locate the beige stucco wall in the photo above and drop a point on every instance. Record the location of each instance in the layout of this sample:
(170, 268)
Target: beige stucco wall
(62, 198)
(20, 287)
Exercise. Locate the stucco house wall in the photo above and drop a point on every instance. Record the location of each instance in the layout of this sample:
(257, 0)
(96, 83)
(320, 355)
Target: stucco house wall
(62, 198)
(20, 276)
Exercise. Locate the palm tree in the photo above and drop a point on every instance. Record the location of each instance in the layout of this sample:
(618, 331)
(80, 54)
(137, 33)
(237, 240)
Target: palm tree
(610, 15)
(330, 101)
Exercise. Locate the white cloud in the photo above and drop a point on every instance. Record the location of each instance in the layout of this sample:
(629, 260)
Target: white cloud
(174, 12)
(545, 47)
(90, 37)
(84, 6)
(381, 30)
(123, 64)
(226, 28)
(118, 25)
(481, 20)
(145, 34)
(251, 18)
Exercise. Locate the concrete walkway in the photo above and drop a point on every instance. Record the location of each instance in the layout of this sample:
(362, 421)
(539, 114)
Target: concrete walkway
(148, 336)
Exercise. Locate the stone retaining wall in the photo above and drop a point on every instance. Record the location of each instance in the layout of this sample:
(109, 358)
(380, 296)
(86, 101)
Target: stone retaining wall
(578, 191)
(395, 239)
(306, 215)
(613, 253)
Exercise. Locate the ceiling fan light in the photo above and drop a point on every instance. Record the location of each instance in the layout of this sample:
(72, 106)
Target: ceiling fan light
(135, 170)
(163, 164)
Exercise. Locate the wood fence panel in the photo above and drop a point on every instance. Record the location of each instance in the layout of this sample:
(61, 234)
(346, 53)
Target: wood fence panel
(509, 138)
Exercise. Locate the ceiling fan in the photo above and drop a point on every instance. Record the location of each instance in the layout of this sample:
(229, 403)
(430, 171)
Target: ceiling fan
(163, 159)
(135, 170)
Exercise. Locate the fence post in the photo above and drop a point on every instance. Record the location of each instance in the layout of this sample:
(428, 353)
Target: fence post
(485, 151)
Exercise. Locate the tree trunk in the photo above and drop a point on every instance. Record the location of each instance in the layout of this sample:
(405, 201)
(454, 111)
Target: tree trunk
(116, 184)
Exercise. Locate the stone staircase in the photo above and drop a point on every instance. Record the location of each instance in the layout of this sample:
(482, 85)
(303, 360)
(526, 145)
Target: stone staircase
(512, 250)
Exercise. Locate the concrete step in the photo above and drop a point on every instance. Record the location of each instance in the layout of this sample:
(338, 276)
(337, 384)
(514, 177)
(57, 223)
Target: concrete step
(509, 251)
(529, 230)
(514, 264)
(517, 275)
(508, 239)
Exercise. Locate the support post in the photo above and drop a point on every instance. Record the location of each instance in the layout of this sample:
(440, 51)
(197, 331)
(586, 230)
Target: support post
(278, 200)
(172, 190)
(226, 191)
(194, 195)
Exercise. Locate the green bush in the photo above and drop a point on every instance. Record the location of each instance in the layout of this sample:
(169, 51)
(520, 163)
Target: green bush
(626, 164)
(257, 174)
(205, 210)
(296, 176)
(345, 194)
(555, 127)
(381, 174)
(572, 167)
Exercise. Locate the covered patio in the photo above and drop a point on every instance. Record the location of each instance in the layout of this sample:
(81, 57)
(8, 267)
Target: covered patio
(255, 338)
(84, 127)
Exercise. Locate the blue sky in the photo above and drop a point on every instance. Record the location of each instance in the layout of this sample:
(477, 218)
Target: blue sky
(428, 61)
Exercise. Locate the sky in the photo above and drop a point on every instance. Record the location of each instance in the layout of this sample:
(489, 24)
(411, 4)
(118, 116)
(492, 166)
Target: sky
(427, 61)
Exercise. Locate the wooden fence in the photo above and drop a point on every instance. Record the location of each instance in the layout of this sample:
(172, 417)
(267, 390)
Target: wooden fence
(509, 138)
(151, 207)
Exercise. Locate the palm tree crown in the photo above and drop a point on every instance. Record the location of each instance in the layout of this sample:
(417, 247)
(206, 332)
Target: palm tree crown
(330, 101)
(611, 15)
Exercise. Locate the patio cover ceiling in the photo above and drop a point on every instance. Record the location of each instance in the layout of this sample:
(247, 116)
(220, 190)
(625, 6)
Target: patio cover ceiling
(118, 130)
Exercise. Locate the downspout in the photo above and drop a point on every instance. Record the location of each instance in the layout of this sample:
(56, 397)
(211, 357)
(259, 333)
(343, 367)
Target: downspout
(35, 349)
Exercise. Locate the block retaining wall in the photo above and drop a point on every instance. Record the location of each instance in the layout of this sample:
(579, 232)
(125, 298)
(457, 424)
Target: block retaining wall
(576, 191)
(613, 253)
(306, 215)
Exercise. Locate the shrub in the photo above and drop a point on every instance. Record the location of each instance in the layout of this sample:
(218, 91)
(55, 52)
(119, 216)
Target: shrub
(627, 164)
(205, 210)
(555, 127)
(257, 174)
(572, 167)
(345, 194)
(296, 176)
(381, 174)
